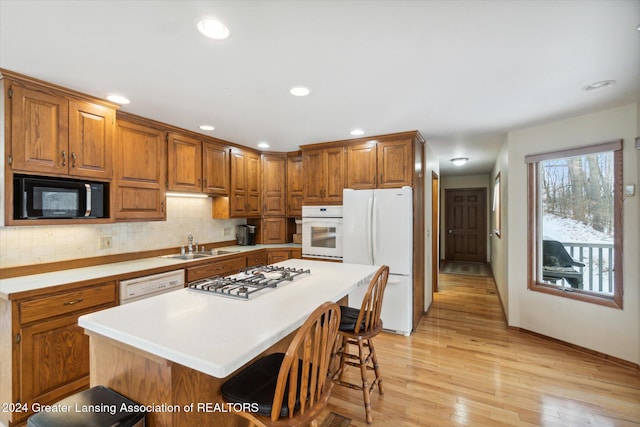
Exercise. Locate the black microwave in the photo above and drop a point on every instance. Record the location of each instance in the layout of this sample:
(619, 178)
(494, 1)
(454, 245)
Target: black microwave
(44, 197)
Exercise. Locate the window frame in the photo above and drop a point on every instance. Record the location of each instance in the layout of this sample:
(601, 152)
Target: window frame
(534, 239)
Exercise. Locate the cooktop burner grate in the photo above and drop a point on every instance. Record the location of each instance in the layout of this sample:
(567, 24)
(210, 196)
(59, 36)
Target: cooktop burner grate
(249, 282)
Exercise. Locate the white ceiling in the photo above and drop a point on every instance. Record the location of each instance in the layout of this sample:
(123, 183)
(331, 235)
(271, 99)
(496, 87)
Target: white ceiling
(463, 73)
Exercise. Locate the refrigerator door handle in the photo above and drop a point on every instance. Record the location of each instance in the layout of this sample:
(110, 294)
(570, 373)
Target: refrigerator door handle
(368, 227)
(374, 227)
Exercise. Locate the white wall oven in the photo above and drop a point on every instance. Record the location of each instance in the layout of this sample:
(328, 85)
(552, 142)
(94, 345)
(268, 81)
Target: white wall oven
(322, 232)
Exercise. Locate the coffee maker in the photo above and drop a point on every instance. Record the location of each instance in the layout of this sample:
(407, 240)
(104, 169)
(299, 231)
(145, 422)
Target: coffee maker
(246, 235)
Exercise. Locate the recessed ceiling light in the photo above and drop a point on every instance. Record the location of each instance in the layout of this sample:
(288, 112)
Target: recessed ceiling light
(300, 91)
(118, 99)
(212, 28)
(357, 132)
(459, 161)
(599, 85)
(263, 145)
(206, 127)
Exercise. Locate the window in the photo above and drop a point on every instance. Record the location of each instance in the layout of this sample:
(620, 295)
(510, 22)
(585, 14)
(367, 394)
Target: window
(575, 217)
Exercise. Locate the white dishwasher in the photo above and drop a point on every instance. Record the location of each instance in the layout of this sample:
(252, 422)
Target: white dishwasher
(147, 286)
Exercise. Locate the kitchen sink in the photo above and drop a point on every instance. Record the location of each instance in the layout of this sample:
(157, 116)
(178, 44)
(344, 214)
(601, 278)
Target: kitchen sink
(189, 256)
(200, 255)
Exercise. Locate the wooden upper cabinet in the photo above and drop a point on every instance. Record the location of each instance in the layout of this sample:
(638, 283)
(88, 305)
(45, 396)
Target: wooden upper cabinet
(197, 166)
(254, 188)
(335, 175)
(313, 165)
(57, 135)
(295, 187)
(323, 172)
(361, 166)
(185, 163)
(383, 164)
(91, 132)
(238, 190)
(215, 168)
(245, 191)
(39, 131)
(140, 173)
(395, 163)
(274, 168)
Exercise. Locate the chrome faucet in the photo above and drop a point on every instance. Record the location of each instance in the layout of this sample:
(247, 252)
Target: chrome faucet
(190, 245)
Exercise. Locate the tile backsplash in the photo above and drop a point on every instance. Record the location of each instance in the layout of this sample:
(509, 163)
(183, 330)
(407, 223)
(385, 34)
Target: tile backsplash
(40, 244)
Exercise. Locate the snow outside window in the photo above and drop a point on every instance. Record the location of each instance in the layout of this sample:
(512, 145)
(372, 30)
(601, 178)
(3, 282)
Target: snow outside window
(575, 208)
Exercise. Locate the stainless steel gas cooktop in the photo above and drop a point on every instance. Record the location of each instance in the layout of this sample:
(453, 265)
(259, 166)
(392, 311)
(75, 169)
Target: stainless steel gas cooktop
(250, 282)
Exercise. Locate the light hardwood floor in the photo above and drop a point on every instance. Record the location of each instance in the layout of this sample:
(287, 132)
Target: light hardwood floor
(463, 367)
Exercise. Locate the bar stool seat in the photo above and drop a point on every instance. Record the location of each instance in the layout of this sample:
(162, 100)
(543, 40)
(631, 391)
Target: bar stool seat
(97, 407)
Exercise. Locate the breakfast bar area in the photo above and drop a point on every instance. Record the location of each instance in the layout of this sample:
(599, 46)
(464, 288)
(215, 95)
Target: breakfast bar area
(174, 359)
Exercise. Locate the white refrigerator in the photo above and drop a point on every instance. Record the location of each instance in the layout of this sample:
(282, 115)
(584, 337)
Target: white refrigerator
(378, 230)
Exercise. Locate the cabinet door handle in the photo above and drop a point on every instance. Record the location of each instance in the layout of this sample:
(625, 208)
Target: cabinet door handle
(75, 158)
(64, 158)
(73, 302)
(162, 207)
(205, 182)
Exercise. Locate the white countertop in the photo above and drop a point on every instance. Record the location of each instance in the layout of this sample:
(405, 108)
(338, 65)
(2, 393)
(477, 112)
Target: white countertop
(40, 281)
(217, 335)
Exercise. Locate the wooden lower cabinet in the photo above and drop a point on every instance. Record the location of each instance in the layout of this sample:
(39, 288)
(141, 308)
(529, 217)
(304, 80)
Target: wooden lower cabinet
(55, 360)
(278, 255)
(49, 356)
(220, 267)
(257, 258)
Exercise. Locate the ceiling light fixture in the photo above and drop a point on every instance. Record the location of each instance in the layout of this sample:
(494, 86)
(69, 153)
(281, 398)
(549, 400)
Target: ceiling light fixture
(263, 145)
(299, 91)
(212, 28)
(599, 85)
(206, 127)
(118, 99)
(357, 132)
(459, 161)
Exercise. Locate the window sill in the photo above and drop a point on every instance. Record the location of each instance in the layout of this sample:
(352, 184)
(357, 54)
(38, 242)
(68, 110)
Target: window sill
(577, 294)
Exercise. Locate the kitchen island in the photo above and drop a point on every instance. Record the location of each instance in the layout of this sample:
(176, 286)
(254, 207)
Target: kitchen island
(175, 350)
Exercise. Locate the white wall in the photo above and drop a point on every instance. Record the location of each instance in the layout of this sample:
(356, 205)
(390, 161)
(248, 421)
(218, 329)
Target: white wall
(638, 217)
(468, 181)
(39, 244)
(499, 254)
(432, 166)
(608, 330)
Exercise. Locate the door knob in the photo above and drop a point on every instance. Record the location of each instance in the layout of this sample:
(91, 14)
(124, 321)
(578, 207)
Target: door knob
(450, 231)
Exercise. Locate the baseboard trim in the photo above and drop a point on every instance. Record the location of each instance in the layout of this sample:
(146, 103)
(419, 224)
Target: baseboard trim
(594, 353)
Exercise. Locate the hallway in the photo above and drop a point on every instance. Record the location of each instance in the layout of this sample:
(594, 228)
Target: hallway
(463, 367)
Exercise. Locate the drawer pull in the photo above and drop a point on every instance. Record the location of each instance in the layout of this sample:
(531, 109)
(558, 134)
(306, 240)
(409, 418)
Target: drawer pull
(75, 301)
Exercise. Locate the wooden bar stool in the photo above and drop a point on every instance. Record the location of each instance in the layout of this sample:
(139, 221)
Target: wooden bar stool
(358, 327)
(292, 388)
